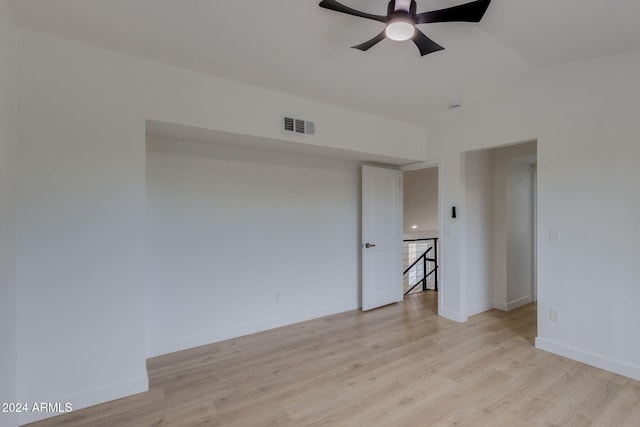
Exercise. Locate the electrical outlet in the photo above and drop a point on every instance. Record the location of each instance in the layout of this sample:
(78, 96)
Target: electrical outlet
(555, 314)
(277, 297)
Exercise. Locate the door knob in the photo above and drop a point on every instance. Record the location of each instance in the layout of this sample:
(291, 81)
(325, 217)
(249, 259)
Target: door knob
(369, 245)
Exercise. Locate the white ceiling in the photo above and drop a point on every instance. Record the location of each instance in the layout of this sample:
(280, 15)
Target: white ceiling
(294, 46)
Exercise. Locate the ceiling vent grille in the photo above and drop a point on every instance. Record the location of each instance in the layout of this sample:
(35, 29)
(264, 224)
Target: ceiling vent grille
(298, 126)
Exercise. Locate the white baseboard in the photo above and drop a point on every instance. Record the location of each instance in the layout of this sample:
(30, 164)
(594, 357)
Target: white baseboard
(251, 328)
(90, 398)
(611, 365)
(512, 305)
(480, 309)
(453, 315)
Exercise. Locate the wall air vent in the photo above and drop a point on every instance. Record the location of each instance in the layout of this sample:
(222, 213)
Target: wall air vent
(298, 126)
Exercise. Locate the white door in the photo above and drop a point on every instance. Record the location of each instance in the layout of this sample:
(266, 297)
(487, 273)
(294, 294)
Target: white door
(381, 237)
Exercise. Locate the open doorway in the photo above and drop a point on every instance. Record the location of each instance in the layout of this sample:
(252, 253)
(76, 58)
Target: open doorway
(420, 231)
(500, 227)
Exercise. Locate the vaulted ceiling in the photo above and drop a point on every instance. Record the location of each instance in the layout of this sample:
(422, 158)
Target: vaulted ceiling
(296, 47)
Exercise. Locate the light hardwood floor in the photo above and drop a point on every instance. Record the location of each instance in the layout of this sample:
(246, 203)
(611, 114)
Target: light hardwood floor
(400, 365)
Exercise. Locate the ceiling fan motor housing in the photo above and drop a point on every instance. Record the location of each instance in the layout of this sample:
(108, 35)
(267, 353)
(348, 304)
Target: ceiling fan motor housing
(392, 13)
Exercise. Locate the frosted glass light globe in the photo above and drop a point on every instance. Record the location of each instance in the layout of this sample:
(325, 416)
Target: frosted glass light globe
(400, 30)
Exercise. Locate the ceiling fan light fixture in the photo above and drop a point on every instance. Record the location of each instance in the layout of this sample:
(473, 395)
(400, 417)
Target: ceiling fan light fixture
(400, 29)
(402, 18)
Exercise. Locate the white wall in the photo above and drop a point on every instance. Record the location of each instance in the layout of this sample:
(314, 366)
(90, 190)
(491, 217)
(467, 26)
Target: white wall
(81, 229)
(80, 264)
(583, 116)
(8, 157)
(420, 203)
(512, 237)
(479, 238)
(230, 229)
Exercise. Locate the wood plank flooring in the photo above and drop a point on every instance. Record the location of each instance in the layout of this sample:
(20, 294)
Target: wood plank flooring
(400, 365)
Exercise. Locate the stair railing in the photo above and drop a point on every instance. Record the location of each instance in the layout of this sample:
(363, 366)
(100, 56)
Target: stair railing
(424, 259)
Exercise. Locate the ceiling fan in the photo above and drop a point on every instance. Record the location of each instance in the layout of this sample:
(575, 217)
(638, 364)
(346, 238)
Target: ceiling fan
(401, 21)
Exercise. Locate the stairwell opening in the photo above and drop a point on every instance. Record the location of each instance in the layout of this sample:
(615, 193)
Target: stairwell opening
(420, 231)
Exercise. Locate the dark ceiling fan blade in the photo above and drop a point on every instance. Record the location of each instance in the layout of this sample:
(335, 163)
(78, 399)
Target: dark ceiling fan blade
(425, 44)
(334, 5)
(468, 12)
(369, 44)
